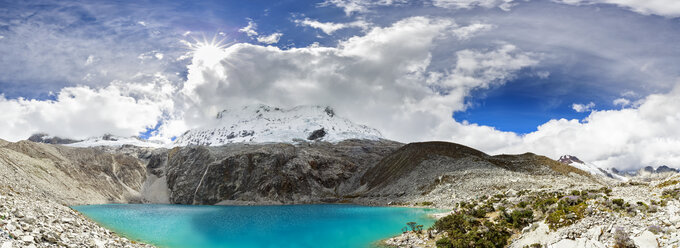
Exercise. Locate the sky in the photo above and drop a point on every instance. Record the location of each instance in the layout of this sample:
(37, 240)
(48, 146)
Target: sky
(597, 79)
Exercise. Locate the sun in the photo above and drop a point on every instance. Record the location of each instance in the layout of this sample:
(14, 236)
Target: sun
(208, 52)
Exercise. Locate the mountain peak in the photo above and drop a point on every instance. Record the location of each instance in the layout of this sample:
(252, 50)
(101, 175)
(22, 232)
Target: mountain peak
(263, 124)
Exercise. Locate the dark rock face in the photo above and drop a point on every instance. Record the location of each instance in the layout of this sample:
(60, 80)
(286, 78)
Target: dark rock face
(349, 171)
(568, 159)
(44, 138)
(317, 134)
(270, 173)
(664, 169)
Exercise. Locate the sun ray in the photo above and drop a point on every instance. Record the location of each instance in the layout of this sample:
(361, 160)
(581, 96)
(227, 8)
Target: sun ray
(208, 51)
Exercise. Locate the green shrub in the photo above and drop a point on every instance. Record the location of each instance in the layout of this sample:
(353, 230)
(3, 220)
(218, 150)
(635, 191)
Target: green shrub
(542, 204)
(518, 218)
(619, 202)
(667, 183)
(670, 193)
(466, 231)
(478, 212)
(566, 214)
(444, 243)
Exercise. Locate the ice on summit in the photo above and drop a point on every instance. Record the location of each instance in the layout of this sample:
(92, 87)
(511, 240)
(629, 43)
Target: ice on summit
(264, 124)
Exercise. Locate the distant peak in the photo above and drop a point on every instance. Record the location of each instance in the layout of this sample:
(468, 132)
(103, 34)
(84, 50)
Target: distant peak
(568, 159)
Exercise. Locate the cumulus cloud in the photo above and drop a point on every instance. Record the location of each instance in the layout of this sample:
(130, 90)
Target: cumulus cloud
(330, 27)
(80, 112)
(250, 29)
(583, 107)
(269, 39)
(625, 139)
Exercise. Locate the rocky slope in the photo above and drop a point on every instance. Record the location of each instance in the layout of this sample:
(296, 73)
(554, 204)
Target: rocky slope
(261, 123)
(38, 182)
(73, 176)
(445, 173)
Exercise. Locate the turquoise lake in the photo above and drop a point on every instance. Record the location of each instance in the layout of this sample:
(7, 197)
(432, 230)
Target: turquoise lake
(256, 226)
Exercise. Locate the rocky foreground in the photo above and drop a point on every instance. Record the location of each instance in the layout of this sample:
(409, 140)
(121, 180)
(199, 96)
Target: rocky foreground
(638, 213)
(27, 219)
(38, 182)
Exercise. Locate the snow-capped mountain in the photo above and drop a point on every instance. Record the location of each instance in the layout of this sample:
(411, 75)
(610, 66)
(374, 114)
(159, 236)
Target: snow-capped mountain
(263, 124)
(115, 141)
(104, 140)
(589, 167)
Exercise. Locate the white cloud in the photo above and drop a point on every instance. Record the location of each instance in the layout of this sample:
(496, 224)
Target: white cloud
(79, 112)
(623, 102)
(626, 139)
(583, 107)
(269, 39)
(467, 32)
(467, 4)
(669, 8)
(359, 6)
(330, 27)
(250, 29)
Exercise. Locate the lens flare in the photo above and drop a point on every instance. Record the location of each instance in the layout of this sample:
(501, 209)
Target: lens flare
(208, 52)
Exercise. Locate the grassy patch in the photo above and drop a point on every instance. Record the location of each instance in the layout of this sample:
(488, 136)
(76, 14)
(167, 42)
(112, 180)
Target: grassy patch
(667, 183)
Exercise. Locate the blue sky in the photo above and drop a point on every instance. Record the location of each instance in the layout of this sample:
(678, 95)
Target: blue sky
(453, 70)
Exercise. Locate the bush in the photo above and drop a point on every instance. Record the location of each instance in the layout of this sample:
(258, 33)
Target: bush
(444, 243)
(566, 214)
(655, 229)
(518, 218)
(542, 204)
(670, 193)
(619, 202)
(622, 240)
(478, 212)
(667, 183)
(466, 231)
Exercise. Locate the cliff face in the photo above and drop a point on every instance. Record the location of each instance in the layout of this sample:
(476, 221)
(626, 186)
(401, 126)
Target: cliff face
(72, 176)
(263, 173)
(358, 171)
